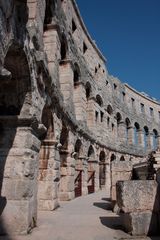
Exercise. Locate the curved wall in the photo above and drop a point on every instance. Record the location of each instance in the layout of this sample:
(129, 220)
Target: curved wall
(73, 118)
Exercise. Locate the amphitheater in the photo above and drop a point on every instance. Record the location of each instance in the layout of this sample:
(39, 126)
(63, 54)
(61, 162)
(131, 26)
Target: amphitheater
(68, 128)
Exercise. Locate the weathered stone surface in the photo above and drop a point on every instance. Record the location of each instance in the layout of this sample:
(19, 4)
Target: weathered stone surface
(141, 223)
(139, 195)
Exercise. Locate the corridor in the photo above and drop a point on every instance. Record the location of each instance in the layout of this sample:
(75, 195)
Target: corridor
(84, 218)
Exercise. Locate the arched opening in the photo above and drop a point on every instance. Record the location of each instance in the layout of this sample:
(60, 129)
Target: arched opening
(88, 90)
(63, 161)
(45, 158)
(99, 100)
(136, 130)
(128, 124)
(15, 91)
(102, 170)
(113, 157)
(122, 159)
(109, 109)
(119, 119)
(78, 168)
(91, 170)
(146, 135)
(76, 75)
(49, 12)
(155, 139)
(63, 49)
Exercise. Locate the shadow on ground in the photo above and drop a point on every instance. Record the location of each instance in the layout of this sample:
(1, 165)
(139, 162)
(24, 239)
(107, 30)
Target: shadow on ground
(112, 222)
(103, 205)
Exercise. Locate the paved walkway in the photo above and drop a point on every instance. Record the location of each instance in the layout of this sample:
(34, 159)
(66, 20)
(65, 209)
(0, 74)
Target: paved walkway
(84, 218)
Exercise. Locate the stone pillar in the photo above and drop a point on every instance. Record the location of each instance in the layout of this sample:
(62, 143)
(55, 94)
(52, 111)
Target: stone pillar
(19, 155)
(96, 176)
(66, 191)
(158, 142)
(149, 141)
(140, 138)
(84, 176)
(52, 49)
(122, 132)
(108, 180)
(91, 114)
(79, 99)
(49, 175)
(130, 135)
(66, 82)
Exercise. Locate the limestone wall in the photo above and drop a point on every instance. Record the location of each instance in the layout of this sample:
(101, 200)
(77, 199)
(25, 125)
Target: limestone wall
(63, 118)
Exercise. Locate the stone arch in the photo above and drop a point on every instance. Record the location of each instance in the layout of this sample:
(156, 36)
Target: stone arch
(15, 91)
(78, 148)
(99, 100)
(122, 158)
(146, 136)
(102, 169)
(136, 133)
(127, 127)
(78, 169)
(49, 12)
(91, 152)
(88, 89)
(64, 137)
(63, 47)
(118, 118)
(113, 157)
(91, 170)
(109, 109)
(64, 154)
(76, 74)
(46, 157)
(155, 139)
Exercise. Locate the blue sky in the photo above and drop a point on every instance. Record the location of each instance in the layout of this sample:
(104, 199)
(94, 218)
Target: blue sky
(128, 34)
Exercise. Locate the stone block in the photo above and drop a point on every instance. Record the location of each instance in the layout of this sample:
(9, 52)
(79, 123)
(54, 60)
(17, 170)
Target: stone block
(17, 218)
(141, 223)
(139, 195)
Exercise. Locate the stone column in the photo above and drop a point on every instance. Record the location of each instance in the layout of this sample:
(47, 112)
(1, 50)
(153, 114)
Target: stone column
(84, 176)
(79, 100)
(158, 142)
(108, 180)
(122, 132)
(149, 141)
(19, 154)
(66, 82)
(52, 49)
(49, 176)
(66, 191)
(96, 176)
(91, 114)
(130, 135)
(140, 138)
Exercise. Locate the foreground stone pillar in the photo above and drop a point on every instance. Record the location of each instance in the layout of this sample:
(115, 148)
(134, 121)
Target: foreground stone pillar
(19, 187)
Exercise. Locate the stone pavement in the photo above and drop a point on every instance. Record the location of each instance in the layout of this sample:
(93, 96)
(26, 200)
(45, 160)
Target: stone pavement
(84, 218)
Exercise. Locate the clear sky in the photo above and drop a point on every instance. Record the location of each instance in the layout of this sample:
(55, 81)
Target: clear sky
(128, 34)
